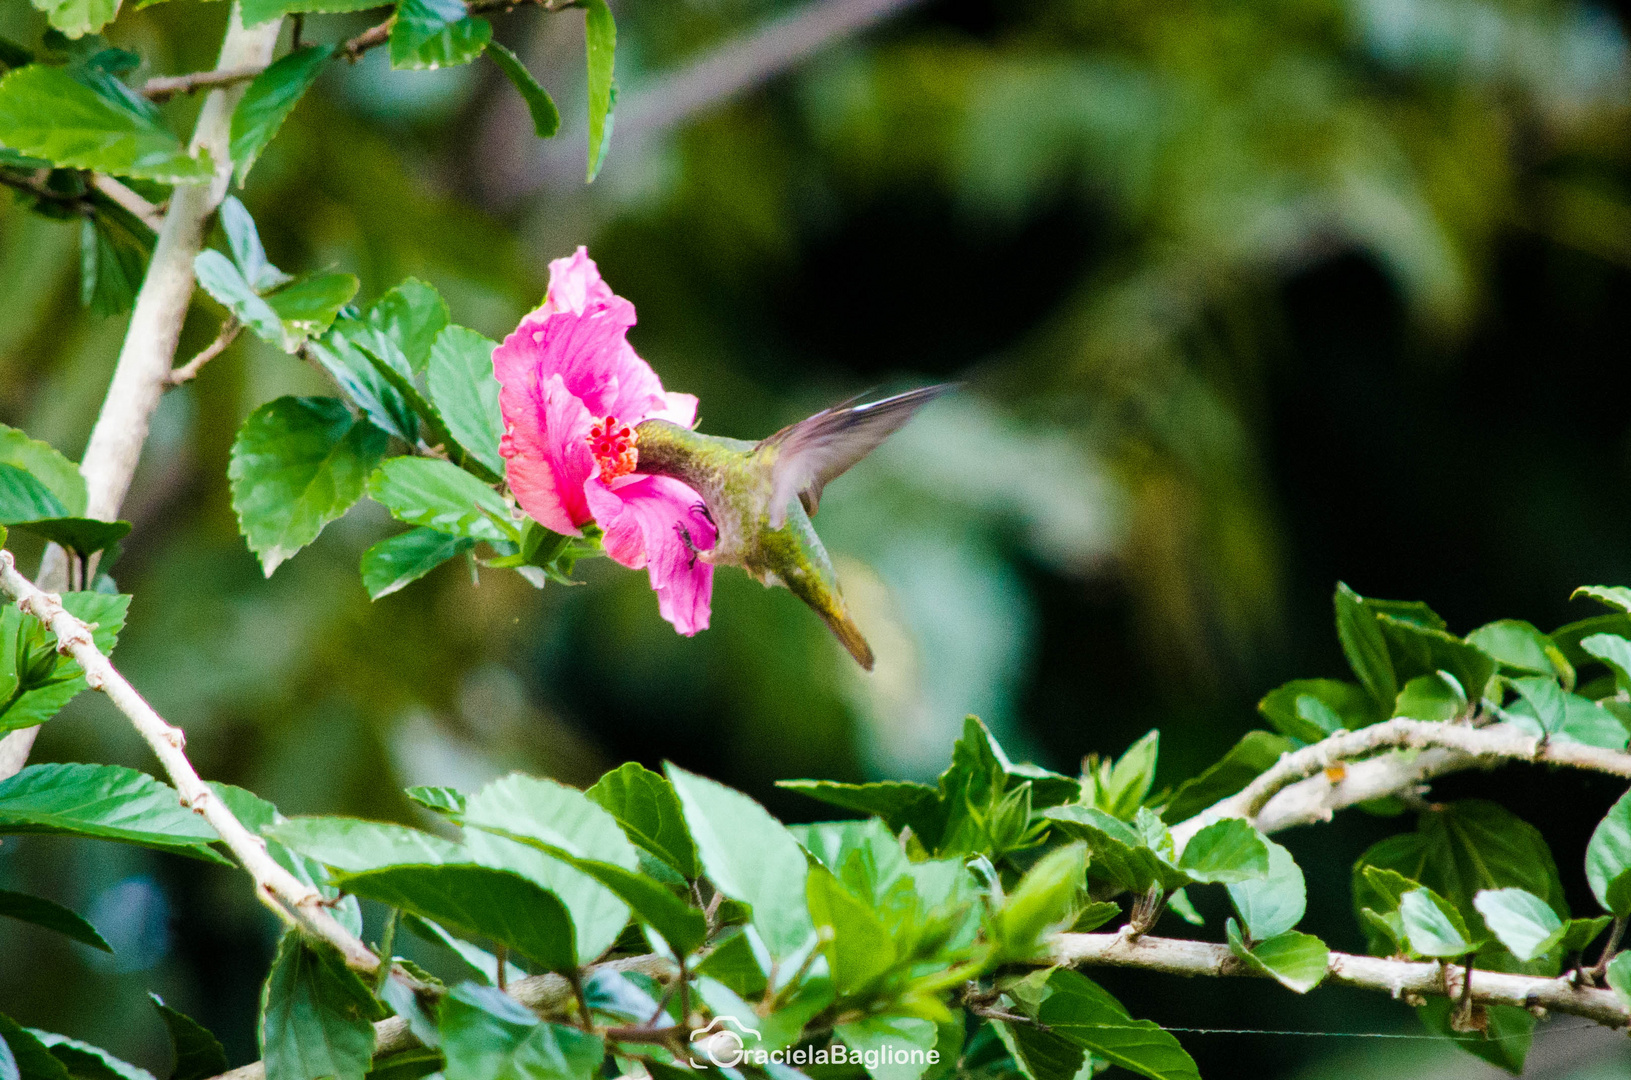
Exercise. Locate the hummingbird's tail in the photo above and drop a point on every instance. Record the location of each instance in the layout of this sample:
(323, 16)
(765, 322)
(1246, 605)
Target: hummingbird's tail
(848, 634)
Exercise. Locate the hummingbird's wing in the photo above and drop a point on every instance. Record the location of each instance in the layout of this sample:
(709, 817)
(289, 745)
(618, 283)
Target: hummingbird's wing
(813, 452)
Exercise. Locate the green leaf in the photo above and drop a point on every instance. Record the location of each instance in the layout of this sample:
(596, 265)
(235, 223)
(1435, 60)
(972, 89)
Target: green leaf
(1435, 697)
(47, 113)
(316, 1017)
(600, 32)
(1296, 961)
(412, 315)
(1040, 1055)
(487, 1035)
(1578, 933)
(352, 845)
(308, 307)
(645, 806)
(1608, 859)
(1613, 650)
(358, 378)
(256, 12)
(1617, 597)
(24, 1052)
(25, 498)
(51, 680)
(46, 465)
(1521, 921)
(1519, 647)
(86, 1062)
(499, 905)
(1271, 905)
(198, 1053)
(430, 34)
(52, 916)
(1546, 710)
(681, 925)
(1418, 650)
(463, 389)
(297, 464)
(482, 964)
(1225, 851)
(1044, 901)
(1245, 760)
(900, 803)
(1078, 1009)
(1360, 632)
(1433, 926)
(750, 856)
(226, 284)
(439, 495)
(270, 99)
(1121, 789)
(858, 947)
(107, 802)
(82, 536)
(546, 119)
(1619, 976)
(113, 255)
(442, 800)
(406, 557)
(1119, 855)
(244, 240)
(876, 1035)
(77, 18)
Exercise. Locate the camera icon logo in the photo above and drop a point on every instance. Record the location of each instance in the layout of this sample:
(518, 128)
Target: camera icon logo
(722, 1044)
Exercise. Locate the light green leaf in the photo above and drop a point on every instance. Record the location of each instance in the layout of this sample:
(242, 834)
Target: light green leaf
(644, 804)
(600, 31)
(1296, 961)
(463, 389)
(23, 497)
(1271, 905)
(1617, 597)
(47, 113)
(1122, 788)
(750, 856)
(442, 800)
(256, 12)
(412, 315)
(439, 495)
(107, 802)
(86, 1062)
(52, 916)
(198, 1053)
(431, 34)
(876, 1035)
(316, 1017)
(546, 119)
(270, 99)
(76, 18)
(1619, 976)
(1434, 696)
(1608, 859)
(1360, 632)
(34, 696)
(46, 465)
(222, 280)
(308, 307)
(1521, 921)
(297, 464)
(406, 557)
(858, 946)
(245, 243)
(1225, 851)
(1518, 646)
(1044, 900)
(1078, 1009)
(487, 1035)
(1433, 926)
(1119, 855)
(352, 845)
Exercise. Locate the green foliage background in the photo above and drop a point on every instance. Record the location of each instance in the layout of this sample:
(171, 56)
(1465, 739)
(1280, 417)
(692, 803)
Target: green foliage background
(1247, 297)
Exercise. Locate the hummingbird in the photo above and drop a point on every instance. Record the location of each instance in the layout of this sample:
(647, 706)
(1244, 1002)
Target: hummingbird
(761, 495)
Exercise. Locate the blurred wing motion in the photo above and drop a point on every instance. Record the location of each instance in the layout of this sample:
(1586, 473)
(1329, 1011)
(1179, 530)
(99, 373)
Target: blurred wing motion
(814, 452)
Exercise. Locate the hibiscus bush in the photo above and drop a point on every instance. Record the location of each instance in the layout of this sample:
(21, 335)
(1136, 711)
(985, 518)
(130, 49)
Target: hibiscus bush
(660, 923)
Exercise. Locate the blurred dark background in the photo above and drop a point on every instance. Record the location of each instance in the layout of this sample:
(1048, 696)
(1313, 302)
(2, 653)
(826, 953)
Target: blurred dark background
(1247, 297)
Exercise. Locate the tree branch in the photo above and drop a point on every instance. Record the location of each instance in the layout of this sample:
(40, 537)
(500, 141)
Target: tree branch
(1398, 978)
(149, 350)
(229, 333)
(1327, 781)
(144, 211)
(280, 890)
(165, 87)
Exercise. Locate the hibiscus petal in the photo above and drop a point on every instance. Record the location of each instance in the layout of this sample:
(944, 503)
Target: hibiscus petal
(546, 452)
(575, 284)
(642, 518)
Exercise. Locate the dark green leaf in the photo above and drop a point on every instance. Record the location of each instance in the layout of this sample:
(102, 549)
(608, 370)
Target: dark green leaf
(198, 1053)
(83, 536)
(1254, 753)
(1296, 961)
(1608, 859)
(226, 284)
(113, 260)
(750, 856)
(47, 465)
(1434, 697)
(439, 495)
(308, 307)
(392, 366)
(601, 34)
(47, 113)
(407, 557)
(26, 1054)
(482, 964)
(546, 119)
(86, 1062)
(34, 695)
(244, 240)
(646, 807)
(354, 372)
(412, 315)
(297, 464)
(316, 1017)
(52, 916)
(1420, 650)
(1120, 856)
(1504, 1042)
(1225, 851)
(271, 97)
(858, 946)
(1360, 632)
(901, 803)
(486, 1035)
(436, 33)
(1040, 1055)
(1078, 1009)
(463, 389)
(108, 802)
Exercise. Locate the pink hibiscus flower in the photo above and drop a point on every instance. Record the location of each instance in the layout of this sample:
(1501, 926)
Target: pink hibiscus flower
(573, 391)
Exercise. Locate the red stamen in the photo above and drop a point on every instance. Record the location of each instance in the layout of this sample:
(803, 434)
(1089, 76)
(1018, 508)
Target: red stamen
(615, 448)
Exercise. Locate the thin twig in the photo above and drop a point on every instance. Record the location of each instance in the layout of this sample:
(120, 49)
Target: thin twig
(144, 211)
(165, 87)
(280, 890)
(229, 333)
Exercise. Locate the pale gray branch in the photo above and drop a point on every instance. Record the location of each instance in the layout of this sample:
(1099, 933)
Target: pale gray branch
(165, 87)
(1398, 978)
(149, 214)
(188, 371)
